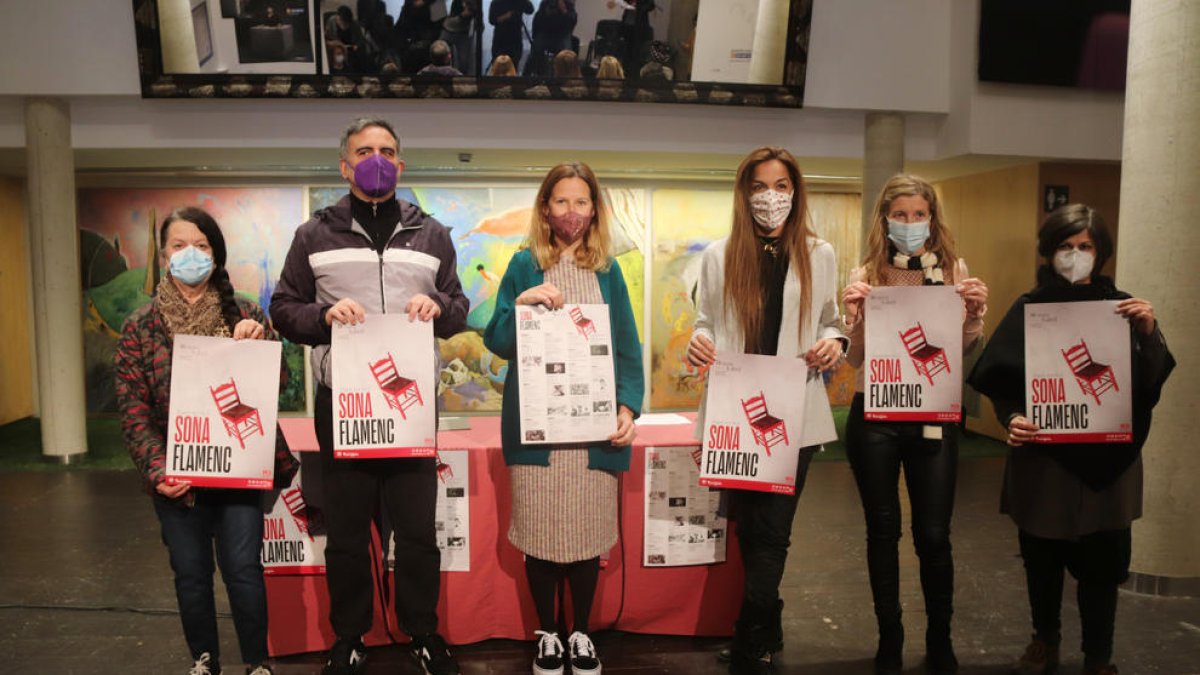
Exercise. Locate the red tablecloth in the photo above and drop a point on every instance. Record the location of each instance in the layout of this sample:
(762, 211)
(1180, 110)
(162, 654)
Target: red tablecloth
(492, 599)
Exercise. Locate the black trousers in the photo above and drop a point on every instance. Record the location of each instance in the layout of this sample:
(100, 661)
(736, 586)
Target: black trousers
(1099, 562)
(877, 451)
(764, 527)
(353, 489)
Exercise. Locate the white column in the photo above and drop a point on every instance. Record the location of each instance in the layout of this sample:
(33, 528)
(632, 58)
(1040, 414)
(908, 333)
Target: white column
(57, 294)
(770, 42)
(178, 36)
(883, 157)
(1158, 244)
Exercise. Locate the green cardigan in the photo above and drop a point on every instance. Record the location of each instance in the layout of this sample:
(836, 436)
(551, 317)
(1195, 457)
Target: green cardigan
(501, 338)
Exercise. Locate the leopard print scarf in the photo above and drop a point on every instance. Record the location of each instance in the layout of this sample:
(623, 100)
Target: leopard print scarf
(181, 317)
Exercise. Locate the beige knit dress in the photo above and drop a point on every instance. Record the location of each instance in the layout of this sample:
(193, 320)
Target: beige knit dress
(565, 512)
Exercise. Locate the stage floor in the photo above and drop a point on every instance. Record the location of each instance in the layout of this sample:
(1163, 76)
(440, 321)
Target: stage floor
(85, 587)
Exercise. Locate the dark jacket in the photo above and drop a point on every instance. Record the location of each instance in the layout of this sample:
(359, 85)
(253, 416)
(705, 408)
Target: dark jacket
(501, 337)
(332, 257)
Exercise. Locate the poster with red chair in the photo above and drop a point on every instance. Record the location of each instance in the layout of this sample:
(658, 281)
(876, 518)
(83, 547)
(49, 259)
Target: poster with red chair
(912, 364)
(753, 422)
(224, 401)
(293, 534)
(1077, 372)
(384, 394)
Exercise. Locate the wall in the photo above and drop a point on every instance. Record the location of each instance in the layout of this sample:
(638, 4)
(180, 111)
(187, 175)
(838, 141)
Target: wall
(16, 351)
(994, 217)
(724, 38)
(1097, 185)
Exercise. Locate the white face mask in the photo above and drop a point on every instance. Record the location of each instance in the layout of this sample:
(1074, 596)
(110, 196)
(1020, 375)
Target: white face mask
(1074, 265)
(770, 208)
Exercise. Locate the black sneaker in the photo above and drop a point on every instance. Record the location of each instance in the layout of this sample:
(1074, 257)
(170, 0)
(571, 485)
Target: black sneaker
(346, 658)
(584, 660)
(431, 652)
(205, 665)
(549, 659)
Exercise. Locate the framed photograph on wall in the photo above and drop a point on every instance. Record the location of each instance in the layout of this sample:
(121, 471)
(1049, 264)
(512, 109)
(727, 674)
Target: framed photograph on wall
(204, 45)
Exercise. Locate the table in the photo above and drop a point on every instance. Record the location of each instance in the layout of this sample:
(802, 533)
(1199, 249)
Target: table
(492, 600)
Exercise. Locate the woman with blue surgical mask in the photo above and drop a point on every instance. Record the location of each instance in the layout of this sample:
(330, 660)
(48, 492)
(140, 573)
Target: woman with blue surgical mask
(909, 245)
(195, 297)
(1073, 503)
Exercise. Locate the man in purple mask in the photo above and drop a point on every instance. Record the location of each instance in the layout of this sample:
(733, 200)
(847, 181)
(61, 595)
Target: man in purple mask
(372, 253)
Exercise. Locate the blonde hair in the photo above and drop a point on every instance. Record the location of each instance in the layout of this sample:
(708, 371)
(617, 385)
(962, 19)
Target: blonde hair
(610, 69)
(594, 249)
(743, 273)
(503, 66)
(940, 240)
(566, 64)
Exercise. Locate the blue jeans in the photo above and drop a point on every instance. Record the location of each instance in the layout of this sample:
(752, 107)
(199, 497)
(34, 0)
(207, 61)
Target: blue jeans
(233, 519)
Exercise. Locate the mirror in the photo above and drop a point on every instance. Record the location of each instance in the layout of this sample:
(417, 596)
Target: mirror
(751, 52)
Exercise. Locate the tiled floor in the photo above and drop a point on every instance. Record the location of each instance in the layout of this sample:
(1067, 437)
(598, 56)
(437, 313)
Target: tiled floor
(85, 587)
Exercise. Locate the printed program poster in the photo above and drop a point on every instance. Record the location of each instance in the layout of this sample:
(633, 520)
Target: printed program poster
(568, 385)
(754, 419)
(682, 524)
(293, 535)
(1077, 372)
(453, 514)
(912, 369)
(224, 400)
(384, 399)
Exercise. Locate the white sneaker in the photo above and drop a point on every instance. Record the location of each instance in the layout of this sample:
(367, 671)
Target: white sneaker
(549, 659)
(584, 660)
(205, 665)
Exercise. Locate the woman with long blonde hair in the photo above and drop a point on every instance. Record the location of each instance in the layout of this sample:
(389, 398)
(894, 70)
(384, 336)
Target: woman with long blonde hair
(770, 288)
(564, 499)
(909, 245)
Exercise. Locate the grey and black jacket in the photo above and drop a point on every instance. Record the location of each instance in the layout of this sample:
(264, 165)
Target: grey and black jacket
(332, 257)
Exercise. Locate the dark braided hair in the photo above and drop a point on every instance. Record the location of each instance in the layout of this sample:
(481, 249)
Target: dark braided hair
(216, 241)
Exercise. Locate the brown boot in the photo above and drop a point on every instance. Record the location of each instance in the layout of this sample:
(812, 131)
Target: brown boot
(1109, 669)
(1040, 658)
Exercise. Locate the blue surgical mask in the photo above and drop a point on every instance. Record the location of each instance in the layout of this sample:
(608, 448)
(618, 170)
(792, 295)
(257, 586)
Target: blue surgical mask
(191, 265)
(908, 237)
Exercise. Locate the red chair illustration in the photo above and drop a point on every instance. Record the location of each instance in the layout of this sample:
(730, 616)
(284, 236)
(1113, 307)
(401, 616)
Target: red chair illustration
(294, 501)
(1093, 378)
(444, 471)
(240, 420)
(400, 393)
(767, 429)
(582, 324)
(928, 359)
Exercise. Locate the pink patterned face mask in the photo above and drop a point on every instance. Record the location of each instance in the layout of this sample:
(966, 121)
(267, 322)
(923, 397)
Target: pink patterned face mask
(770, 208)
(569, 227)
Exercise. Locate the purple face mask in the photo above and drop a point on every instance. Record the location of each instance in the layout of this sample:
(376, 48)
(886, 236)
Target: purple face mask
(569, 227)
(375, 176)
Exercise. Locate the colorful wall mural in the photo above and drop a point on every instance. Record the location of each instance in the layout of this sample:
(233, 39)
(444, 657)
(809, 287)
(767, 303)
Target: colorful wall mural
(117, 231)
(488, 224)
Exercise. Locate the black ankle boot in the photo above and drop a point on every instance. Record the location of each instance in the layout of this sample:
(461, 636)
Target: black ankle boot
(889, 657)
(749, 654)
(939, 653)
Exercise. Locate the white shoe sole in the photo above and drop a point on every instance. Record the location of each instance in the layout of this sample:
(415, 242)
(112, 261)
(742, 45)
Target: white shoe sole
(545, 671)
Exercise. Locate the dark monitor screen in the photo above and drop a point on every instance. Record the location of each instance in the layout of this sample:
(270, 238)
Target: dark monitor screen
(1066, 43)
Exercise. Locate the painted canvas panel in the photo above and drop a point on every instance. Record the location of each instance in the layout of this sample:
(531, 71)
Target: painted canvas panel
(684, 222)
(487, 226)
(117, 228)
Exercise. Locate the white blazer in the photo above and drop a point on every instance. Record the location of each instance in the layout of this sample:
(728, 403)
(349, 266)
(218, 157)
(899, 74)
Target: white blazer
(719, 324)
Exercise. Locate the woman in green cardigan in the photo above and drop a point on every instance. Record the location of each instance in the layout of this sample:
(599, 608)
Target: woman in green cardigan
(565, 497)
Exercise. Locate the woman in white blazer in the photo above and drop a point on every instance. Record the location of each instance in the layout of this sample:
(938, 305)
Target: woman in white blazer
(770, 287)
